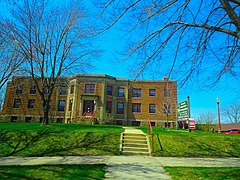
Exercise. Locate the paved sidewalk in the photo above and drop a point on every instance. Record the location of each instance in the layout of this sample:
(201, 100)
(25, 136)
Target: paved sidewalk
(126, 167)
(135, 168)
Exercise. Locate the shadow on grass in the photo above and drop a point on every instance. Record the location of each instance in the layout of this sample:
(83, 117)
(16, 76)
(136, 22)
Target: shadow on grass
(53, 172)
(49, 143)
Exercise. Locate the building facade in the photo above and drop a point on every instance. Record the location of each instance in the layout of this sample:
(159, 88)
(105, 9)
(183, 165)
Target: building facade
(94, 99)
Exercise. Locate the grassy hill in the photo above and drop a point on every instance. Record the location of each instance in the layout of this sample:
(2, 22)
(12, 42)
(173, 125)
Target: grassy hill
(32, 139)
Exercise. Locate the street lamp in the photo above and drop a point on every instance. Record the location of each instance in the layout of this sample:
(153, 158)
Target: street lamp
(219, 123)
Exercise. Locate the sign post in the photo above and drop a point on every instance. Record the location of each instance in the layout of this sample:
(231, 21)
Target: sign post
(184, 114)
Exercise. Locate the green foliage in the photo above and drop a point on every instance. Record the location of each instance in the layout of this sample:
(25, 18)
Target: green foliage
(53, 172)
(207, 173)
(21, 139)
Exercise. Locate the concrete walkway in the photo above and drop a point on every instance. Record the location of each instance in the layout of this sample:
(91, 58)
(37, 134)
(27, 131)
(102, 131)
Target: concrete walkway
(126, 167)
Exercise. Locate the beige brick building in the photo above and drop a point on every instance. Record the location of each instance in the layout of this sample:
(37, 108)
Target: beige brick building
(94, 99)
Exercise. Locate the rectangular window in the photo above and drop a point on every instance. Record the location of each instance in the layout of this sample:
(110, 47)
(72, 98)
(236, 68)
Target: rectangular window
(109, 107)
(90, 88)
(167, 109)
(16, 103)
(166, 93)
(61, 105)
(109, 90)
(63, 90)
(152, 108)
(70, 105)
(33, 89)
(152, 92)
(31, 103)
(120, 108)
(19, 89)
(28, 119)
(120, 92)
(72, 89)
(136, 107)
(136, 92)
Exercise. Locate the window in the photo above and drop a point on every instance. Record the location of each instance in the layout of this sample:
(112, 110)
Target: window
(90, 88)
(120, 108)
(70, 105)
(109, 90)
(109, 107)
(45, 90)
(17, 103)
(33, 89)
(166, 93)
(28, 119)
(13, 118)
(61, 105)
(136, 107)
(137, 92)
(167, 109)
(152, 108)
(152, 92)
(19, 89)
(71, 89)
(31, 103)
(120, 92)
(63, 89)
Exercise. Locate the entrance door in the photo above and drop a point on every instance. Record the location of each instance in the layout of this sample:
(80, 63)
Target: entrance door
(88, 107)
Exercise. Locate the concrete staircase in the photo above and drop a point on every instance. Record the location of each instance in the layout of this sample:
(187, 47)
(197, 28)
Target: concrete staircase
(134, 142)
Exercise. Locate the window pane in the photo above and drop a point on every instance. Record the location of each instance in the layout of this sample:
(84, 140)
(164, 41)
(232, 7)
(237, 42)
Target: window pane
(152, 92)
(166, 93)
(109, 90)
(17, 103)
(120, 92)
(61, 105)
(31, 103)
(33, 89)
(90, 88)
(19, 89)
(152, 108)
(120, 108)
(137, 92)
(63, 90)
(136, 107)
(167, 109)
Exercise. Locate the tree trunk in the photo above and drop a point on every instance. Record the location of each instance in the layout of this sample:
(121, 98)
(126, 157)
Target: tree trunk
(45, 107)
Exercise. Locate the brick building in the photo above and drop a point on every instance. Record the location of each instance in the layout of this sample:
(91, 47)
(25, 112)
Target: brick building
(94, 98)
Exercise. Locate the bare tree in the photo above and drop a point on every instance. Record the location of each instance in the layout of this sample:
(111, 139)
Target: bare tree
(187, 40)
(54, 39)
(232, 112)
(208, 119)
(10, 60)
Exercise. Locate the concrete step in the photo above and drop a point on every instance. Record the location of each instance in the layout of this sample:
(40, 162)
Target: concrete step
(134, 134)
(137, 141)
(135, 137)
(134, 153)
(135, 149)
(143, 145)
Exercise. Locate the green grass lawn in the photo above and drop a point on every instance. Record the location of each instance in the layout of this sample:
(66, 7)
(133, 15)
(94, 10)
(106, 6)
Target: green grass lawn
(182, 143)
(53, 172)
(32, 139)
(206, 173)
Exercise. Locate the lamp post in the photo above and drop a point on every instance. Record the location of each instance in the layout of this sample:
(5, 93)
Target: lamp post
(219, 123)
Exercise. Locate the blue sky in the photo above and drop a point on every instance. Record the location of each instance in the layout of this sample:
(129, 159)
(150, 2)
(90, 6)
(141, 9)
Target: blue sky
(202, 100)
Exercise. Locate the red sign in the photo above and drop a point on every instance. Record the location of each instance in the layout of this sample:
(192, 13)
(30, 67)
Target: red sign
(191, 124)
